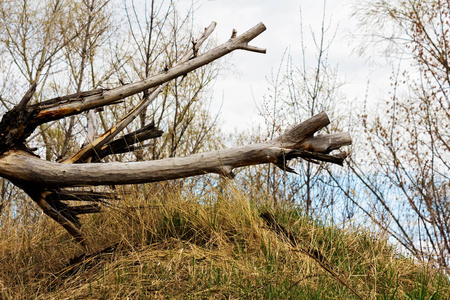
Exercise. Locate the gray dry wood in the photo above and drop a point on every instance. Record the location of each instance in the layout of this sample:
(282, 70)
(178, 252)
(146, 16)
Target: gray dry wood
(42, 180)
(24, 167)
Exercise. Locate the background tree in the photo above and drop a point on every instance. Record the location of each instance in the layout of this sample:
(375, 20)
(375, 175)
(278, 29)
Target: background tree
(159, 37)
(69, 46)
(46, 182)
(304, 84)
(405, 172)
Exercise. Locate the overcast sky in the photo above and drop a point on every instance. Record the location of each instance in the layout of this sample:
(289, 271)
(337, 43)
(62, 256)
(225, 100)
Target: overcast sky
(243, 89)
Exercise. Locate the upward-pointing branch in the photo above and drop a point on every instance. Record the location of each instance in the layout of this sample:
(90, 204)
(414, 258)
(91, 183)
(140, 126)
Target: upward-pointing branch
(55, 109)
(96, 145)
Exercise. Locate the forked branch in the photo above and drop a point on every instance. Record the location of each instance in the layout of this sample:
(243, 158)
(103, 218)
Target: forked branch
(53, 110)
(93, 149)
(22, 166)
(43, 180)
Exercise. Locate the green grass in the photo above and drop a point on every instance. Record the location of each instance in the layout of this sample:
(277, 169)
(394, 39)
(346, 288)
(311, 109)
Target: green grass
(173, 245)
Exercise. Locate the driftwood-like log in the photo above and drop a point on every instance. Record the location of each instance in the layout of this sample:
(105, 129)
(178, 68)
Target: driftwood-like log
(44, 180)
(25, 167)
(20, 122)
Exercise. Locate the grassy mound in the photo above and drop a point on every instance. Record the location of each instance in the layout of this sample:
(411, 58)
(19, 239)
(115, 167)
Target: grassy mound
(166, 243)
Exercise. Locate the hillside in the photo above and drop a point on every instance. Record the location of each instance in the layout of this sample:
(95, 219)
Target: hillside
(165, 243)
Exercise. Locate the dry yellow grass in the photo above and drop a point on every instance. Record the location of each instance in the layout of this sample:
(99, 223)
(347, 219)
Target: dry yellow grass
(166, 242)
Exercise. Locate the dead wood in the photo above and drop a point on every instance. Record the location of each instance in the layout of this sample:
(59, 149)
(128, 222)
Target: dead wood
(21, 166)
(44, 181)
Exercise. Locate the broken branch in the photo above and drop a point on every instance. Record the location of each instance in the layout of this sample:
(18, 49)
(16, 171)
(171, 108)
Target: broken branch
(60, 110)
(23, 166)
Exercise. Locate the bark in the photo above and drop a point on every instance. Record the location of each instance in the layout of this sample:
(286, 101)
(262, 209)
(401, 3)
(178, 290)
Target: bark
(24, 167)
(94, 147)
(126, 143)
(43, 180)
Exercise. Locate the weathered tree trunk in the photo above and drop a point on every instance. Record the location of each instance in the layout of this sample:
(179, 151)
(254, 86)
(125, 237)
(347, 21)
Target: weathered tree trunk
(24, 167)
(44, 180)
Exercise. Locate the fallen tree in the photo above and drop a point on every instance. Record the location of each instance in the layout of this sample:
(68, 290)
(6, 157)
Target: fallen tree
(44, 181)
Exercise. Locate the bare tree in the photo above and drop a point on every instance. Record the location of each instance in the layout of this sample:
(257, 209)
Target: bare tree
(160, 39)
(298, 91)
(43, 180)
(406, 169)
